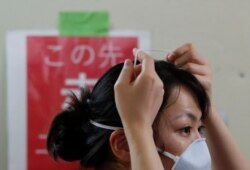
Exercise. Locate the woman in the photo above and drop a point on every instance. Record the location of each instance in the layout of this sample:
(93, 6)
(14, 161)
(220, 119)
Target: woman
(151, 116)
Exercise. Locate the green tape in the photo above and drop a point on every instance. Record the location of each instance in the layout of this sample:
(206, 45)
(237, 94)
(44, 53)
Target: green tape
(84, 23)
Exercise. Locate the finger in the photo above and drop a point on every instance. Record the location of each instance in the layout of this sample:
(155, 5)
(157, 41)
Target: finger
(205, 82)
(179, 52)
(190, 56)
(146, 60)
(137, 70)
(200, 77)
(187, 50)
(196, 69)
(135, 53)
(168, 55)
(126, 74)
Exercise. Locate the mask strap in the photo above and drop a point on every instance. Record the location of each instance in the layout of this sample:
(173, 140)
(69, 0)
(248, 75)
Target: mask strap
(104, 126)
(167, 154)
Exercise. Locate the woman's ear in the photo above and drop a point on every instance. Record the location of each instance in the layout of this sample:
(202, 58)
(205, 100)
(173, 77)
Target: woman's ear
(119, 145)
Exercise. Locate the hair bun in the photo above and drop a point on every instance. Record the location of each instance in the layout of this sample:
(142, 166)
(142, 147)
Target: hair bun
(66, 138)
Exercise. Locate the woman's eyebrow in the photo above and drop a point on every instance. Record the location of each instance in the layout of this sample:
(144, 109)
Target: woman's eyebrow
(187, 114)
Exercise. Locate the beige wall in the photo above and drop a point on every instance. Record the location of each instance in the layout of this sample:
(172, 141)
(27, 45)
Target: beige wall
(220, 30)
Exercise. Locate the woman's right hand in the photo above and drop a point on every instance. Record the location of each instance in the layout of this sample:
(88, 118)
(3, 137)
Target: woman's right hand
(138, 96)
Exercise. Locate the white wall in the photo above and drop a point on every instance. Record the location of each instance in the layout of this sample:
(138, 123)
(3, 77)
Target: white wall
(219, 29)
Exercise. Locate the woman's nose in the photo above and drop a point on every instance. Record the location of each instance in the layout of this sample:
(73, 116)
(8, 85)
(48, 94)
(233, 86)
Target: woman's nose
(196, 135)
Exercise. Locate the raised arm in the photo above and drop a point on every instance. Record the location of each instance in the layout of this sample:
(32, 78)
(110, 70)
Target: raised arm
(224, 150)
(138, 95)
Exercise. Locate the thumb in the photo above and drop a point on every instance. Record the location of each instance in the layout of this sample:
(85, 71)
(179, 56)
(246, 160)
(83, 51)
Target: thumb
(127, 72)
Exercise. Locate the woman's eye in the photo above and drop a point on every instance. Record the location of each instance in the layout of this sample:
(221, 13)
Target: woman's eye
(201, 130)
(186, 130)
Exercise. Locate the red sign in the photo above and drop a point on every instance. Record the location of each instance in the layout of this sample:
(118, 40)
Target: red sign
(54, 67)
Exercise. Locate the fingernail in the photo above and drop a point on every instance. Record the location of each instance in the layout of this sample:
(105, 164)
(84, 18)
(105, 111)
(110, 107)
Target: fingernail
(134, 51)
(169, 56)
(127, 62)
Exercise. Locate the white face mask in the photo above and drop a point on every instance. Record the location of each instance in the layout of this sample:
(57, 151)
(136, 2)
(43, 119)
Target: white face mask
(195, 157)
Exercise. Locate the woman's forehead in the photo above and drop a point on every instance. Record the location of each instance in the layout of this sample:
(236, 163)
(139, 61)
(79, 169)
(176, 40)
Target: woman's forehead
(182, 104)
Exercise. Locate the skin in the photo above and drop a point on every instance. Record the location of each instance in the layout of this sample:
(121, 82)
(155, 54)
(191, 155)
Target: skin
(224, 150)
(179, 125)
(139, 93)
(138, 118)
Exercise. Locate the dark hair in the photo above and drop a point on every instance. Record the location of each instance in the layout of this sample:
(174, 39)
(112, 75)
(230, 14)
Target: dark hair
(72, 137)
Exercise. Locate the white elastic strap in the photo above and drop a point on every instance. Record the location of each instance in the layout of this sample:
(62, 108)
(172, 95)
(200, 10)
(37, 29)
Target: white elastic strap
(136, 56)
(168, 53)
(104, 126)
(175, 158)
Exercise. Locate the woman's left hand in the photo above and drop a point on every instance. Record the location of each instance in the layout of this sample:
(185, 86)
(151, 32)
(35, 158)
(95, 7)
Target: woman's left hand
(187, 57)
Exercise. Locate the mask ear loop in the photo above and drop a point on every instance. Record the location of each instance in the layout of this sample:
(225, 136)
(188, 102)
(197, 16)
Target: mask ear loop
(168, 53)
(167, 154)
(136, 55)
(104, 126)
